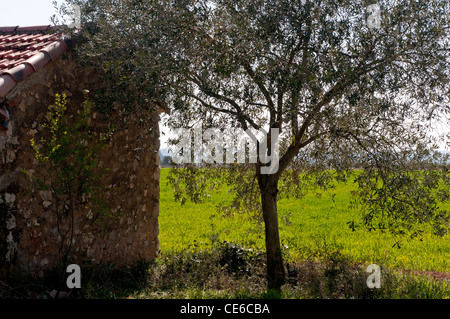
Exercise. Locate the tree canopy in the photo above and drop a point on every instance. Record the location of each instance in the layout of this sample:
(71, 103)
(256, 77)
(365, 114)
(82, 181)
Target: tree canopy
(347, 83)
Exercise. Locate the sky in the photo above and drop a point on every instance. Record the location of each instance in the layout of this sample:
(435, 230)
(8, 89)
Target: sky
(26, 12)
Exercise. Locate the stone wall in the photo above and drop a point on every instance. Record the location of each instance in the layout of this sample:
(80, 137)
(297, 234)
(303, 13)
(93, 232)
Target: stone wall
(28, 235)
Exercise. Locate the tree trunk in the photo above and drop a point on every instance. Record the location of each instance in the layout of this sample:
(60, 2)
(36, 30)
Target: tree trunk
(275, 266)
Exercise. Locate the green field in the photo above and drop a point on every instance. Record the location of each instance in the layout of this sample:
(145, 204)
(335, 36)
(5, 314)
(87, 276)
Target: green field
(308, 228)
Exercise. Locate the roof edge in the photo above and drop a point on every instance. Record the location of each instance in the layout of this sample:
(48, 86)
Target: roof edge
(9, 78)
(28, 29)
(7, 83)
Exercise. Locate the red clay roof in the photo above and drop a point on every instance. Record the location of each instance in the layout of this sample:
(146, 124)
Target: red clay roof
(25, 50)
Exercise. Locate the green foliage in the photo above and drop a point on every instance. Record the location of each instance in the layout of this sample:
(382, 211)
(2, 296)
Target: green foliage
(404, 200)
(237, 259)
(198, 274)
(405, 203)
(67, 153)
(310, 227)
(106, 281)
(344, 94)
(191, 183)
(70, 150)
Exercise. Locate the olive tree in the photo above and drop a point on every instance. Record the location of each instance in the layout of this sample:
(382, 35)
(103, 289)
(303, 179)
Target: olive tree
(347, 84)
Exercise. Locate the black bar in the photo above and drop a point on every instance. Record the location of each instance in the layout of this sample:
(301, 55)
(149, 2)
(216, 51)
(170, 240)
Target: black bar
(223, 308)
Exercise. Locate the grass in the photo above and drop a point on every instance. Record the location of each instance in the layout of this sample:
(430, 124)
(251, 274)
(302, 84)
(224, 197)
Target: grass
(228, 270)
(325, 258)
(206, 255)
(308, 228)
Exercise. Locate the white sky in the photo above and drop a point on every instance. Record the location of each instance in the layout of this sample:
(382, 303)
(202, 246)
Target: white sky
(26, 12)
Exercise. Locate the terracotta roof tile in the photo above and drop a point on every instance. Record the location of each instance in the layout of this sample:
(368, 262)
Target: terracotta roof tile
(34, 46)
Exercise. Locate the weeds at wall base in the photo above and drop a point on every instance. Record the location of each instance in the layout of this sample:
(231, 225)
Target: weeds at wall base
(229, 271)
(194, 274)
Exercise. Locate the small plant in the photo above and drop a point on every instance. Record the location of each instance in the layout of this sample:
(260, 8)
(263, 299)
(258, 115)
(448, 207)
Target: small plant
(68, 150)
(233, 257)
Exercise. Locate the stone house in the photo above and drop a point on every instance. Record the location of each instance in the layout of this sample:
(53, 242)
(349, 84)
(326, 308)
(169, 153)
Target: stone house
(35, 64)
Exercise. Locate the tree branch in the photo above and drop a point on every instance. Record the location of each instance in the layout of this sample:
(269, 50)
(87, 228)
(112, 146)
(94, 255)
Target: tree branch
(242, 118)
(262, 88)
